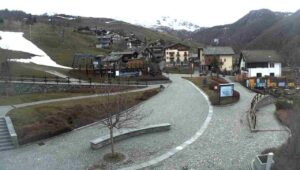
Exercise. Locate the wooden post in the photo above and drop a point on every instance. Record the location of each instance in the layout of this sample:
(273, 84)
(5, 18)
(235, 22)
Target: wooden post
(68, 80)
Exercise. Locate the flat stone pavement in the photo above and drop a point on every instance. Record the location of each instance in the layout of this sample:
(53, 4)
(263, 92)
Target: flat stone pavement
(4, 110)
(227, 143)
(180, 104)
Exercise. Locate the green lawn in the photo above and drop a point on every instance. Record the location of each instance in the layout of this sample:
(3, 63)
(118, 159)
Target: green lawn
(26, 98)
(46, 120)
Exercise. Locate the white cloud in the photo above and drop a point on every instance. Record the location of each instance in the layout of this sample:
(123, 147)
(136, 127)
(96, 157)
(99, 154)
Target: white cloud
(201, 12)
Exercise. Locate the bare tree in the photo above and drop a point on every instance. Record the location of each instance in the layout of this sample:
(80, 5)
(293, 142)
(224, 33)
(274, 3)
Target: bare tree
(119, 117)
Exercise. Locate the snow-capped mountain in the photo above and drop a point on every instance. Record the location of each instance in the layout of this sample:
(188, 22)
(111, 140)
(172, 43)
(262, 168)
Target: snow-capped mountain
(175, 24)
(167, 22)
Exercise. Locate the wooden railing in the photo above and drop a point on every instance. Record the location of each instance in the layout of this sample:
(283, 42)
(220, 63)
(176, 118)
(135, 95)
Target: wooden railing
(252, 111)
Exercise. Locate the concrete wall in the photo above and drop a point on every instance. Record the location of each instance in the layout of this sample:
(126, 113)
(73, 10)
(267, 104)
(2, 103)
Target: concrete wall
(12, 131)
(105, 140)
(252, 72)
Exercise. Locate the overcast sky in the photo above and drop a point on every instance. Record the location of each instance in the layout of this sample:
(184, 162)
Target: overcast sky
(201, 12)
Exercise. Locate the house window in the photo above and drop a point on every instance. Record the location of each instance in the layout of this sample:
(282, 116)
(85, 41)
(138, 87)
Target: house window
(258, 75)
(272, 74)
(224, 59)
(271, 65)
(172, 54)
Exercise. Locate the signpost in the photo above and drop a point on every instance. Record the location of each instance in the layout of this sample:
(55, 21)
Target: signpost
(226, 90)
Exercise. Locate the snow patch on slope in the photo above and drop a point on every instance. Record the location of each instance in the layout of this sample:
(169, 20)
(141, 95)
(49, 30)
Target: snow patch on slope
(166, 21)
(15, 41)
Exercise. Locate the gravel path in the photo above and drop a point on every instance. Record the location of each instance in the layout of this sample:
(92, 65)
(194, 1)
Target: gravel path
(180, 104)
(227, 143)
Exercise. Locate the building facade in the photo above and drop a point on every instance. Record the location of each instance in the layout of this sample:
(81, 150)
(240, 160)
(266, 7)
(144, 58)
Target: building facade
(260, 63)
(177, 54)
(208, 55)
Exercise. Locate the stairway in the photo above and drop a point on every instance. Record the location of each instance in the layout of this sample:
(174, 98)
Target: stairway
(5, 139)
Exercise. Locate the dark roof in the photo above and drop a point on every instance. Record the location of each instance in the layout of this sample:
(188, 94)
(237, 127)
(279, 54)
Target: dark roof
(218, 51)
(252, 56)
(112, 58)
(178, 46)
(123, 53)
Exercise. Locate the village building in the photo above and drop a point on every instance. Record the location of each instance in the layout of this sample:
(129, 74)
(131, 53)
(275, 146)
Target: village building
(260, 63)
(87, 62)
(123, 62)
(224, 55)
(133, 43)
(104, 41)
(177, 54)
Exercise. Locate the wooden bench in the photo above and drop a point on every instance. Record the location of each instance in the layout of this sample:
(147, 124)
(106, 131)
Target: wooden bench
(124, 134)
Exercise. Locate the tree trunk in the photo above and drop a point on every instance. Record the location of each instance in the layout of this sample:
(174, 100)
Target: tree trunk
(112, 141)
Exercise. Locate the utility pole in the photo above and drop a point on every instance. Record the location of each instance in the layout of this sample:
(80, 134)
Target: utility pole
(30, 32)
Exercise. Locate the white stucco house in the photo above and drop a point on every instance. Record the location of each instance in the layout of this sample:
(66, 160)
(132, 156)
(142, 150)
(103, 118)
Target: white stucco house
(260, 63)
(177, 53)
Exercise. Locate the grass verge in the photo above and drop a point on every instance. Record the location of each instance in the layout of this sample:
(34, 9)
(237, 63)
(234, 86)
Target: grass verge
(27, 98)
(43, 121)
(207, 85)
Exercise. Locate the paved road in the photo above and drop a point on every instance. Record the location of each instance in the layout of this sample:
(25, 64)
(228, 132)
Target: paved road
(179, 104)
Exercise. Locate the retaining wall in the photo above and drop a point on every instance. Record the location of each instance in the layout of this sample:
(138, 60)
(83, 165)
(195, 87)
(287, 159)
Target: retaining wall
(105, 140)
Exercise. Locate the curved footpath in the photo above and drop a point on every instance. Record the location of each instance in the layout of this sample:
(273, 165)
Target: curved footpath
(227, 143)
(180, 104)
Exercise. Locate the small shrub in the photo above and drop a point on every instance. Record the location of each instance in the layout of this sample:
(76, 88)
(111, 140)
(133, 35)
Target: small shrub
(283, 104)
(219, 80)
(147, 94)
(212, 85)
(214, 99)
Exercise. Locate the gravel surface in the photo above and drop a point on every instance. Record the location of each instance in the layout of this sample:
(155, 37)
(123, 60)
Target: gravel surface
(228, 142)
(180, 104)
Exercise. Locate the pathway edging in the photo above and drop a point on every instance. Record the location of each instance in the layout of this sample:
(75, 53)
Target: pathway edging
(191, 140)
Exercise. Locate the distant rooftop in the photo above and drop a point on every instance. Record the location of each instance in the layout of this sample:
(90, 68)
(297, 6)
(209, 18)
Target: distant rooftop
(252, 56)
(218, 51)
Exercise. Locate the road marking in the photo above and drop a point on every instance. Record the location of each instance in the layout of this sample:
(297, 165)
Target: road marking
(184, 144)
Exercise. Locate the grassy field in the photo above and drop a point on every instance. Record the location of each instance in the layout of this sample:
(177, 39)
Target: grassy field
(62, 42)
(212, 94)
(46, 120)
(26, 98)
(20, 69)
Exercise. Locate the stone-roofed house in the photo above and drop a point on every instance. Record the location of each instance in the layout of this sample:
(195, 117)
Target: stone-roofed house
(223, 54)
(260, 63)
(177, 53)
